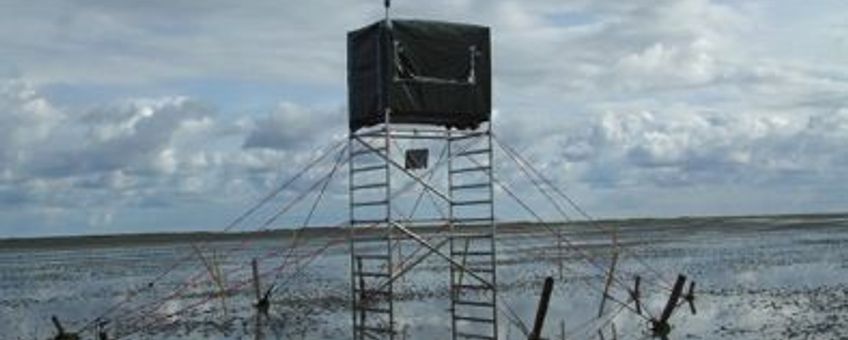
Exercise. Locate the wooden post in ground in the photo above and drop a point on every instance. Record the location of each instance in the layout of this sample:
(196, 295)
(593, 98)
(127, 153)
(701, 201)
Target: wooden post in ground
(636, 294)
(562, 329)
(660, 328)
(608, 284)
(674, 298)
(102, 334)
(560, 253)
(536, 334)
(256, 287)
(60, 331)
(262, 304)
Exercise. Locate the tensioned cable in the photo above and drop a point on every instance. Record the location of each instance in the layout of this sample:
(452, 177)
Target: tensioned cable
(559, 236)
(601, 293)
(323, 153)
(592, 223)
(573, 246)
(544, 224)
(314, 207)
(235, 287)
(181, 288)
(519, 159)
(244, 283)
(308, 219)
(510, 312)
(318, 253)
(515, 154)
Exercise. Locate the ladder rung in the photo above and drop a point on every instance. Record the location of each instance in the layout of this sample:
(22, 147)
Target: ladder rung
(475, 287)
(368, 186)
(369, 168)
(378, 238)
(474, 303)
(473, 319)
(472, 202)
(373, 257)
(469, 235)
(470, 186)
(472, 219)
(371, 292)
(470, 169)
(373, 310)
(472, 253)
(474, 336)
(481, 270)
(367, 151)
(375, 329)
(472, 152)
(371, 274)
(369, 203)
(375, 221)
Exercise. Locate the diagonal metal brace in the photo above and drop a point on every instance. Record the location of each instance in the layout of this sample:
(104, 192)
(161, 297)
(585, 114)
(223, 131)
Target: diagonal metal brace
(403, 169)
(438, 252)
(409, 267)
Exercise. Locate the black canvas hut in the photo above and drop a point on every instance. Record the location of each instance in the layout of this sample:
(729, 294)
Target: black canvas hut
(421, 72)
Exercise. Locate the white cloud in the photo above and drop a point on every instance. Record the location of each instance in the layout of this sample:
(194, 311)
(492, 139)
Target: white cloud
(692, 147)
(27, 119)
(150, 153)
(292, 126)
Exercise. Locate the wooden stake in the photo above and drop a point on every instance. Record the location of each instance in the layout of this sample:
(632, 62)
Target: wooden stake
(256, 286)
(636, 295)
(559, 251)
(60, 331)
(263, 302)
(562, 329)
(543, 309)
(101, 330)
(608, 283)
(216, 275)
(660, 328)
(59, 328)
(674, 298)
(690, 297)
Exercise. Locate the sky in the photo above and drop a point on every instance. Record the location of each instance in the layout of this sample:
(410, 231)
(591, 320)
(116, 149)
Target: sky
(150, 116)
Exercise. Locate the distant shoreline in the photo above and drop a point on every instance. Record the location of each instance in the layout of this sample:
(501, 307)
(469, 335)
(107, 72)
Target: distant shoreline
(161, 238)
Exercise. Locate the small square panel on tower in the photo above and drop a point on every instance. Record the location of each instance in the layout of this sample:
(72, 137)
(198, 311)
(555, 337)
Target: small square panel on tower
(416, 159)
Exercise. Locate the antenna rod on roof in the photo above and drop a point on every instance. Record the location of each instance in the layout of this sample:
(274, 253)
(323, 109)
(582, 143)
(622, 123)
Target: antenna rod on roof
(387, 4)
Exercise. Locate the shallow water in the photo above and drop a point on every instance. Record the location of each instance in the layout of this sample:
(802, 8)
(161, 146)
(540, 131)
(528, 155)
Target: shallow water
(757, 278)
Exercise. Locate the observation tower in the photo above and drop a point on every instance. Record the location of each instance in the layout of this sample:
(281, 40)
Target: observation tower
(420, 152)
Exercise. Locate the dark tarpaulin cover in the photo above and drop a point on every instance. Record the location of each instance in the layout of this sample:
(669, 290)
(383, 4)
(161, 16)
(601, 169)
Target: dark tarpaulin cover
(425, 72)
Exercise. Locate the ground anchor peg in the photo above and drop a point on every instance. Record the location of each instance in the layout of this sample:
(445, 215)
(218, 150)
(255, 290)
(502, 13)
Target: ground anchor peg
(660, 328)
(60, 331)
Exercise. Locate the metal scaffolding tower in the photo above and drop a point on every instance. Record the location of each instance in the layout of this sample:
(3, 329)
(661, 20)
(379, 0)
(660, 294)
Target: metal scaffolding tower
(377, 229)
